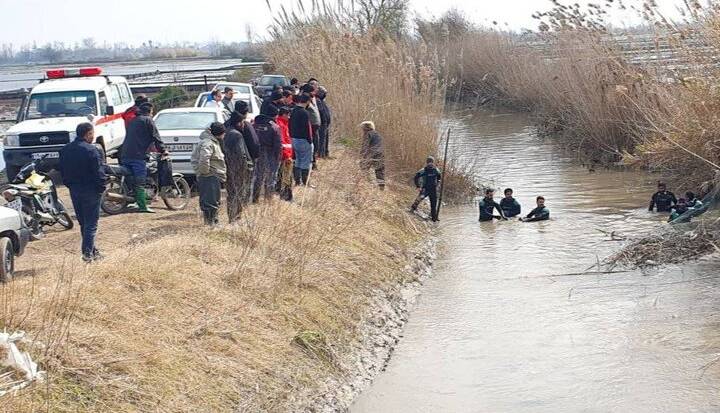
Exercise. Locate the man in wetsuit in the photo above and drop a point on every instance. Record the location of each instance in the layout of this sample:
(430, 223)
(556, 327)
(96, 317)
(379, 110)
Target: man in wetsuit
(487, 205)
(663, 200)
(509, 205)
(429, 176)
(541, 213)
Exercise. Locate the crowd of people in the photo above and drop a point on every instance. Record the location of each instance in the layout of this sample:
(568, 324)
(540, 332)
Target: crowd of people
(680, 210)
(266, 157)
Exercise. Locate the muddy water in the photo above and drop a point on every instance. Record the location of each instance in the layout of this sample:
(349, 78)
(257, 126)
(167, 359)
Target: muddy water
(494, 332)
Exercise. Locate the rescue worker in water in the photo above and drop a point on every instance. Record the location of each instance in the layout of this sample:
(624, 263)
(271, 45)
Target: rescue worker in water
(426, 180)
(487, 205)
(662, 200)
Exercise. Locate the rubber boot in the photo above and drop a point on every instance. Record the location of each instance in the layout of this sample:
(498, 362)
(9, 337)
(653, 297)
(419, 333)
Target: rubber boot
(141, 201)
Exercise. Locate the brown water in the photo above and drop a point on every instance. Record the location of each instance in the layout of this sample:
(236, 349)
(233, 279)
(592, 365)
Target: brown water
(492, 333)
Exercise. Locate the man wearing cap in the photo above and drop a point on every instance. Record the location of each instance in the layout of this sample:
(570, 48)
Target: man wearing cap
(141, 135)
(227, 100)
(208, 162)
(275, 100)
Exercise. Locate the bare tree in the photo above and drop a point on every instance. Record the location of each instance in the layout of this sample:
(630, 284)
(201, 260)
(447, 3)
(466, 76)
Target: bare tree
(88, 43)
(389, 16)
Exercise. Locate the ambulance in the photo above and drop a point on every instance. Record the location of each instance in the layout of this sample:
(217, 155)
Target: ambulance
(50, 113)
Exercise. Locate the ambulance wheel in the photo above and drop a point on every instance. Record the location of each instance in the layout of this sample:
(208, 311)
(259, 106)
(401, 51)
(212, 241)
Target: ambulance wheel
(7, 254)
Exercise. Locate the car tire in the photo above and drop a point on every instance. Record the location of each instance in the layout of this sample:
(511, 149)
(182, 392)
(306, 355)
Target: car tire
(7, 258)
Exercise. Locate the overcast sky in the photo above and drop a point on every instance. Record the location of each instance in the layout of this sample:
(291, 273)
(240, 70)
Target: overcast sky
(25, 21)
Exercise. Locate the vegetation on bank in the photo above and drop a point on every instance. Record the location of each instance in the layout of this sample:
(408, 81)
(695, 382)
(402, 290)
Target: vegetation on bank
(592, 92)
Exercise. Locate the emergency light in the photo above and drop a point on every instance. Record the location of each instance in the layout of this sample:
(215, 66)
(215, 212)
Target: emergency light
(84, 71)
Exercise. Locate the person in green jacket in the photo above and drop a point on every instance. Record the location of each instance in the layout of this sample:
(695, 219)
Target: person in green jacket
(208, 162)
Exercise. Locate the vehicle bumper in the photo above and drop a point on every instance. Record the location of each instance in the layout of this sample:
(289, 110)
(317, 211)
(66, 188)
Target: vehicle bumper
(182, 166)
(22, 156)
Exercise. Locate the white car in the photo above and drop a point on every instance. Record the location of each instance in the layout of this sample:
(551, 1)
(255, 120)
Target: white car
(14, 236)
(180, 130)
(251, 99)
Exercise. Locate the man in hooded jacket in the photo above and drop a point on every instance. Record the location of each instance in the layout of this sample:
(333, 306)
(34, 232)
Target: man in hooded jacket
(325, 119)
(270, 152)
(208, 162)
(241, 150)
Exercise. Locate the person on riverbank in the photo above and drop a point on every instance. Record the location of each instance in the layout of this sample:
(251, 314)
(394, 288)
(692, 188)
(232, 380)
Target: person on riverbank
(241, 151)
(227, 100)
(662, 200)
(285, 172)
(325, 120)
(83, 171)
(268, 163)
(510, 206)
(539, 213)
(275, 100)
(208, 162)
(315, 120)
(488, 205)
(215, 99)
(301, 134)
(372, 152)
(131, 113)
(141, 136)
(426, 180)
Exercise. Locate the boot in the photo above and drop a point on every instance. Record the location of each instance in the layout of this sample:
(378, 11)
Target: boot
(297, 175)
(141, 200)
(305, 175)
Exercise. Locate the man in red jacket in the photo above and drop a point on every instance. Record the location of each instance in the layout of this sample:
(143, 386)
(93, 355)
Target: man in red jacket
(131, 113)
(285, 177)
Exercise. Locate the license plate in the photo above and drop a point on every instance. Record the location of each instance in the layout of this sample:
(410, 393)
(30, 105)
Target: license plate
(175, 147)
(15, 204)
(39, 155)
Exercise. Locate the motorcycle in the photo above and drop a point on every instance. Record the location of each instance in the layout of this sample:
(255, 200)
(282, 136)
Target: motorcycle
(35, 196)
(120, 190)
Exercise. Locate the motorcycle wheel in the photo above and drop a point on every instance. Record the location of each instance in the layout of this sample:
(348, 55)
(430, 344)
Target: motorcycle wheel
(113, 207)
(7, 256)
(33, 225)
(177, 196)
(65, 220)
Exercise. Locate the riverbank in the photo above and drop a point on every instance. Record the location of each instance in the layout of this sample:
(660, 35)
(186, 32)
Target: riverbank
(293, 308)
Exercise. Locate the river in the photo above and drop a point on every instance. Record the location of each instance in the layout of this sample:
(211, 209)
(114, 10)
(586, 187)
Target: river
(493, 331)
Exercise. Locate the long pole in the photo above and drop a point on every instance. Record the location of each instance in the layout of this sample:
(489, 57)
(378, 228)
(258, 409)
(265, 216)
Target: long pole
(442, 174)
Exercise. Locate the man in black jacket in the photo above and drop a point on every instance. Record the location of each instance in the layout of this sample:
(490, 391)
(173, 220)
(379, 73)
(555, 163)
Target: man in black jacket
(663, 199)
(302, 138)
(276, 100)
(325, 119)
(141, 135)
(82, 169)
(426, 180)
(270, 153)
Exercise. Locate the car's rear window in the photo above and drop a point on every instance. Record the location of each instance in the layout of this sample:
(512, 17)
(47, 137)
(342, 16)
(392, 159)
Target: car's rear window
(184, 120)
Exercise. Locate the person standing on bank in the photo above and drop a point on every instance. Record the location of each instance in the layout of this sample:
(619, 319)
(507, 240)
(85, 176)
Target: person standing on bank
(325, 119)
(142, 134)
(315, 121)
(301, 134)
(227, 100)
(208, 162)
(285, 173)
(240, 162)
(372, 152)
(270, 153)
(426, 180)
(83, 172)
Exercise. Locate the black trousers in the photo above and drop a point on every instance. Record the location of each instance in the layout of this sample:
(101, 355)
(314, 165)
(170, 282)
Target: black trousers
(209, 191)
(86, 203)
(430, 193)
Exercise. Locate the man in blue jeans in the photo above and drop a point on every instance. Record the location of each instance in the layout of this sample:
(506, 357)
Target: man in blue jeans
(82, 169)
(141, 135)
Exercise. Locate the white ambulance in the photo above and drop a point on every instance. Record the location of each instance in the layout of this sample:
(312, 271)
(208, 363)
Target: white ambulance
(53, 109)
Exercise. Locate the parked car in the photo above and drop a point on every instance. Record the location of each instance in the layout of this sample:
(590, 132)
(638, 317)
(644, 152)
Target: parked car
(265, 85)
(180, 130)
(238, 88)
(251, 99)
(14, 236)
(49, 115)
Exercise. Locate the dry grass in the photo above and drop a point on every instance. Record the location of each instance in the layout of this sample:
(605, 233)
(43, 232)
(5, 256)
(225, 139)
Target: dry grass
(181, 317)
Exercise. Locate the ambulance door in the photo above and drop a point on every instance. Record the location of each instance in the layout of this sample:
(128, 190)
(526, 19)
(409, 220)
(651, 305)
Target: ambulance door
(103, 126)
